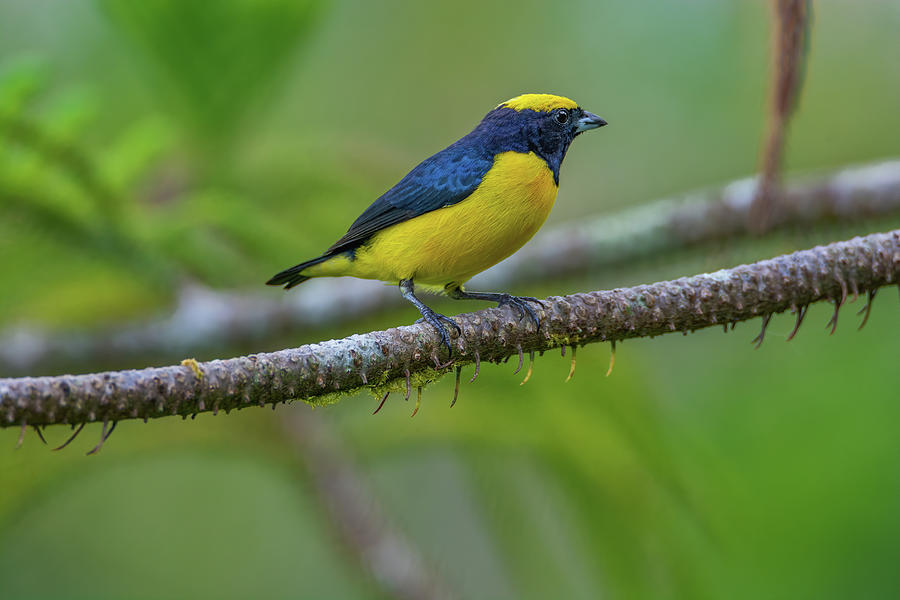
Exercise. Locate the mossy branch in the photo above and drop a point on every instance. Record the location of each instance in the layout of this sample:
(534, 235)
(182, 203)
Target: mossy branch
(657, 229)
(410, 356)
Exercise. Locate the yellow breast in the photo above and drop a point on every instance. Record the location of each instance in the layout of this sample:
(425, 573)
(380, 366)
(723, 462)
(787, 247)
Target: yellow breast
(451, 244)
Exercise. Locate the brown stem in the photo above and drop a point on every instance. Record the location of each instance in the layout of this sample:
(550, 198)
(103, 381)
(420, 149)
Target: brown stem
(791, 19)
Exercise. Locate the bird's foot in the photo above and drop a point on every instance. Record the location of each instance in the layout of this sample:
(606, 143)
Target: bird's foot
(520, 303)
(437, 320)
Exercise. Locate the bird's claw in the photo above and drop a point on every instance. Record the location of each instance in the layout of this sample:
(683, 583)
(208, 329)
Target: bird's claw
(437, 321)
(520, 303)
(444, 318)
(533, 299)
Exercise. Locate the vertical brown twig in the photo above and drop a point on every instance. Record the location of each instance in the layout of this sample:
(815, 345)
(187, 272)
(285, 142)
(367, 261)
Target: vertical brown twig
(790, 42)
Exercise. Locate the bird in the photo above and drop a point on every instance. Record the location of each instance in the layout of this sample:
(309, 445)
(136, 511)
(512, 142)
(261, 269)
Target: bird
(462, 210)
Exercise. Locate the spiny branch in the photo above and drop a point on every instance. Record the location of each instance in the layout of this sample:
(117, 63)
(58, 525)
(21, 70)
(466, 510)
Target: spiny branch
(321, 373)
(208, 319)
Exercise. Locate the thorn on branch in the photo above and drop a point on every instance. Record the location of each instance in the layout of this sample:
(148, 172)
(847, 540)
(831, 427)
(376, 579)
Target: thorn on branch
(456, 387)
(521, 359)
(104, 435)
(843, 283)
(762, 332)
(418, 401)
(612, 356)
(37, 430)
(408, 386)
(477, 367)
(380, 404)
(801, 312)
(21, 439)
(530, 368)
(572, 367)
(71, 437)
(833, 321)
(868, 307)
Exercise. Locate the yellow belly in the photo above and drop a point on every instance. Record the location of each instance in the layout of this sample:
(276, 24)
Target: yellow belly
(451, 244)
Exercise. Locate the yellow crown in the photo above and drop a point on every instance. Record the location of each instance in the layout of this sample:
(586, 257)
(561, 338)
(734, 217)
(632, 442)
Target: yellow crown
(538, 102)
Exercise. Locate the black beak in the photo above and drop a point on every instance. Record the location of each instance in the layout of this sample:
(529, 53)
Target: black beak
(588, 121)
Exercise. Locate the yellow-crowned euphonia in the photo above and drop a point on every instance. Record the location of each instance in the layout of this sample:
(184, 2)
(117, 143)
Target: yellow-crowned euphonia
(462, 210)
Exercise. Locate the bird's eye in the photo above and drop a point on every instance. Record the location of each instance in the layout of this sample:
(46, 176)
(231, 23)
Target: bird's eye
(562, 116)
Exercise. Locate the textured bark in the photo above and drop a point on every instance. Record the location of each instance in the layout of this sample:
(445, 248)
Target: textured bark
(400, 357)
(206, 319)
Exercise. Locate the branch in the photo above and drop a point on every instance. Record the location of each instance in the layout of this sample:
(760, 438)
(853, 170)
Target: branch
(208, 319)
(667, 226)
(789, 53)
(403, 357)
(390, 559)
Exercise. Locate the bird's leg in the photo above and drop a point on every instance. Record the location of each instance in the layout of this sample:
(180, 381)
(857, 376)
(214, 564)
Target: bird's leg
(520, 303)
(436, 320)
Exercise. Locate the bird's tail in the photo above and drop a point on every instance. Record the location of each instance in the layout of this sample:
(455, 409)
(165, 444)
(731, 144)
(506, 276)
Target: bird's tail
(294, 276)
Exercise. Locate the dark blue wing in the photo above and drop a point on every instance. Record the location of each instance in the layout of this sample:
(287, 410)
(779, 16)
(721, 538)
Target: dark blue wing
(441, 180)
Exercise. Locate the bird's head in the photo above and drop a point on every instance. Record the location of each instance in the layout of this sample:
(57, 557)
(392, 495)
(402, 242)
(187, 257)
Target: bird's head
(554, 113)
(546, 124)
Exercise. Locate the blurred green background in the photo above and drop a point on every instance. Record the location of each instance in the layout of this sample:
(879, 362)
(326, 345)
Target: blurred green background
(148, 144)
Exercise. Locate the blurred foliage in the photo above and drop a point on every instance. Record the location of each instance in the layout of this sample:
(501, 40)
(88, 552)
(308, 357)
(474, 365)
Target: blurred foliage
(130, 208)
(60, 197)
(214, 59)
(144, 143)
